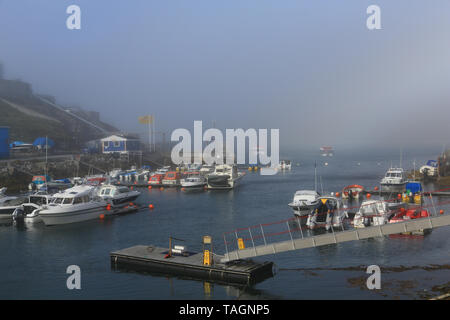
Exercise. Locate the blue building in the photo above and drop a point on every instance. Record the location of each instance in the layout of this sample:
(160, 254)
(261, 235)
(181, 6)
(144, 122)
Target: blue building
(120, 144)
(4, 142)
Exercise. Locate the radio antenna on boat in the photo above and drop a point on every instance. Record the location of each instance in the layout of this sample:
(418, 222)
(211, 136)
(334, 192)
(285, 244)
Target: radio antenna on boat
(321, 185)
(315, 176)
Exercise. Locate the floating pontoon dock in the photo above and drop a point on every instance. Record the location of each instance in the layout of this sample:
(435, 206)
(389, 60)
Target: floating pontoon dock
(339, 236)
(151, 258)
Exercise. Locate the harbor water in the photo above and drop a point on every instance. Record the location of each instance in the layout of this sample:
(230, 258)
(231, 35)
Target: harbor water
(34, 258)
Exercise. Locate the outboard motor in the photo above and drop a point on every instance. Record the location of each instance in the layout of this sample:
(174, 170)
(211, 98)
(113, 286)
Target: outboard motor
(18, 214)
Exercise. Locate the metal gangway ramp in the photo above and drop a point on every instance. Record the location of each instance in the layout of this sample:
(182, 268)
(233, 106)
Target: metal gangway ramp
(335, 237)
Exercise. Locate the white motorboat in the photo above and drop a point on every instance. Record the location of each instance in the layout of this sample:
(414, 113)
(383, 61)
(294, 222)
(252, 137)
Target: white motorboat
(193, 182)
(163, 170)
(30, 210)
(430, 170)
(394, 180)
(285, 165)
(4, 197)
(76, 204)
(206, 170)
(329, 213)
(304, 202)
(114, 174)
(225, 176)
(119, 197)
(10, 205)
(372, 213)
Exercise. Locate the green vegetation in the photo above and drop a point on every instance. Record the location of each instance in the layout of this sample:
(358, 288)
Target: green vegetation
(27, 128)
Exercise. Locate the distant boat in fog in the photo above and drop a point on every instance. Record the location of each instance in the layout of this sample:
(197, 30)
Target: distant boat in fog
(327, 151)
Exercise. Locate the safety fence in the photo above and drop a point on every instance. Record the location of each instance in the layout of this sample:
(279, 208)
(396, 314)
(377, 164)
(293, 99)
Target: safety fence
(296, 228)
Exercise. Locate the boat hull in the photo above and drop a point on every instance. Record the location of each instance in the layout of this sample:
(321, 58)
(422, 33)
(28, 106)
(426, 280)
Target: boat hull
(51, 218)
(393, 187)
(224, 182)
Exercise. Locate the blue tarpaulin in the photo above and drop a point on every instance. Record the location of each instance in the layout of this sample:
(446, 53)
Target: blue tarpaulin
(414, 187)
(42, 142)
(16, 143)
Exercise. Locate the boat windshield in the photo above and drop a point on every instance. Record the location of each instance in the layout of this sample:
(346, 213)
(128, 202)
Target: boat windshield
(123, 190)
(38, 200)
(393, 175)
(106, 192)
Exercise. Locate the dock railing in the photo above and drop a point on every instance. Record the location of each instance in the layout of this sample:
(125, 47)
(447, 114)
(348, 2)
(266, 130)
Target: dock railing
(292, 234)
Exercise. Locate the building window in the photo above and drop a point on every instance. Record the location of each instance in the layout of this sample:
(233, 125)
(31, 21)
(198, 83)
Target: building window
(116, 144)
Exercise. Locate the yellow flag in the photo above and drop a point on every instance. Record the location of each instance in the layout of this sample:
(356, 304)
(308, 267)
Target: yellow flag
(146, 119)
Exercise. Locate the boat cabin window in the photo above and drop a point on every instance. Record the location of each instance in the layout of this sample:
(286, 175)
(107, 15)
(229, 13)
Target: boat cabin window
(123, 190)
(85, 198)
(219, 170)
(368, 209)
(106, 192)
(394, 175)
(38, 200)
(58, 200)
(67, 201)
(78, 200)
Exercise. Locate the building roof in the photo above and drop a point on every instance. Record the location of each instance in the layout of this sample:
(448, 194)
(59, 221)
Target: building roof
(116, 137)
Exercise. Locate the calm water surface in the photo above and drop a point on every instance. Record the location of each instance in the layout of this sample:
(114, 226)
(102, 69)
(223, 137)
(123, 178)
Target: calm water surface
(34, 258)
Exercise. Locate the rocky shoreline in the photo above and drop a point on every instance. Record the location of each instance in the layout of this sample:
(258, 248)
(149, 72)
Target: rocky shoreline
(16, 175)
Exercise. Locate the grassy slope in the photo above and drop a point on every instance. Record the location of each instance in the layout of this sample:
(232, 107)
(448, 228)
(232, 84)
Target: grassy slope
(27, 128)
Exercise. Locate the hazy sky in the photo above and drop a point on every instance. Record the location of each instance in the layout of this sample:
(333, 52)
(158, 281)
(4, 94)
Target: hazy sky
(310, 68)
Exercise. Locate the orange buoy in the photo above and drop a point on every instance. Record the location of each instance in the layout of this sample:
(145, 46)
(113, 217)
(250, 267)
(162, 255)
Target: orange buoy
(368, 196)
(131, 188)
(338, 194)
(376, 188)
(162, 188)
(183, 189)
(149, 187)
(441, 211)
(131, 204)
(102, 216)
(108, 207)
(399, 196)
(150, 206)
(135, 182)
